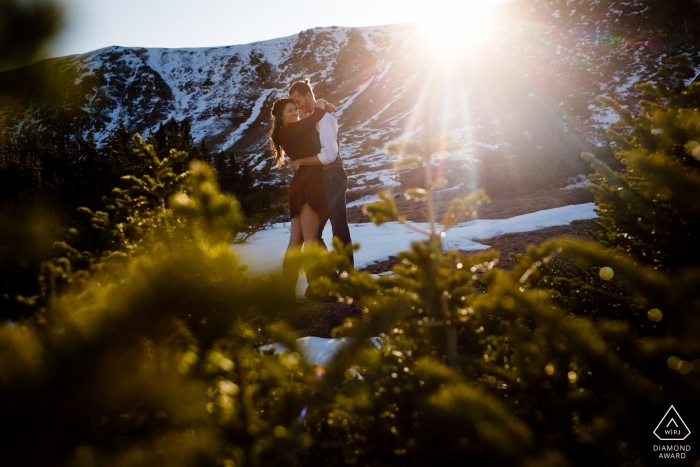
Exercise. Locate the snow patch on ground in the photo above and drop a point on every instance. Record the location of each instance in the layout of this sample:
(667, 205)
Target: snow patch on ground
(317, 350)
(364, 200)
(579, 181)
(452, 188)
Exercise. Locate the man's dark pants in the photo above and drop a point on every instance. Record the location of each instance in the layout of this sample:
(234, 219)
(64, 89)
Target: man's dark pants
(335, 184)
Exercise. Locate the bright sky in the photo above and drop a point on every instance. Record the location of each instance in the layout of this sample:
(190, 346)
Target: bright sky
(93, 24)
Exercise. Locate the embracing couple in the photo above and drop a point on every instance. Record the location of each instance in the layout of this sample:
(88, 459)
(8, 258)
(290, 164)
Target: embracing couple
(317, 191)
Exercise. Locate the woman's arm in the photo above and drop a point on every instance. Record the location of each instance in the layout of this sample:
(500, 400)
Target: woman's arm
(291, 132)
(300, 127)
(317, 114)
(295, 130)
(328, 136)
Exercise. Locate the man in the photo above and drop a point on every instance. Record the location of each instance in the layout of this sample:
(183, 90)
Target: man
(333, 176)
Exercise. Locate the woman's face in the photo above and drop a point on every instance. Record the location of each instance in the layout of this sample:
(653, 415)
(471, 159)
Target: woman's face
(290, 114)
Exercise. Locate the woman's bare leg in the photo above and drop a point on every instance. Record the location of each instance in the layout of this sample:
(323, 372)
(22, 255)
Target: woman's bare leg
(296, 238)
(304, 230)
(309, 225)
(290, 268)
(309, 228)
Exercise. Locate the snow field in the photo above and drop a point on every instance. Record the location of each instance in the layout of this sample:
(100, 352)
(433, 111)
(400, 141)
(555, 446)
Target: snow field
(265, 250)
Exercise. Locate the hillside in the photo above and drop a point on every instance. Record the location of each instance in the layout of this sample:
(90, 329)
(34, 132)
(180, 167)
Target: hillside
(522, 99)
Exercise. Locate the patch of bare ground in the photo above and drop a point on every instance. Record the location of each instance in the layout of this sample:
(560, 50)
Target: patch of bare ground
(510, 243)
(502, 205)
(354, 195)
(314, 318)
(518, 242)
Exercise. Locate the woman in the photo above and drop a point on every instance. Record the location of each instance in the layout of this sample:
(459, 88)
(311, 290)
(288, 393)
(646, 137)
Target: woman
(292, 137)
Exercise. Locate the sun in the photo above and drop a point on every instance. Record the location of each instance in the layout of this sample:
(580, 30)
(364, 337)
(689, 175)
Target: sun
(453, 25)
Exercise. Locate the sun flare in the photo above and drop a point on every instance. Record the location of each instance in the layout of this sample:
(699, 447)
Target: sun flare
(453, 25)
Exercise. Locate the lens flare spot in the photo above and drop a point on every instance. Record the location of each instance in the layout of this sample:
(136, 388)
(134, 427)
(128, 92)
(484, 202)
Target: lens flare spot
(507, 301)
(674, 363)
(655, 315)
(696, 365)
(693, 148)
(606, 273)
(685, 368)
(228, 387)
(696, 153)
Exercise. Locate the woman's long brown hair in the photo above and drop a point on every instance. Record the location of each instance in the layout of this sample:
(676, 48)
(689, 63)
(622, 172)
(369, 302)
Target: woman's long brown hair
(277, 124)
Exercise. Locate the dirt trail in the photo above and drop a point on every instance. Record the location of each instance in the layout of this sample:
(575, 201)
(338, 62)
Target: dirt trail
(502, 206)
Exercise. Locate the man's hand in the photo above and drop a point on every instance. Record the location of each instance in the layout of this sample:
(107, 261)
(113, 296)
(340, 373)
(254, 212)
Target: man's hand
(294, 165)
(325, 105)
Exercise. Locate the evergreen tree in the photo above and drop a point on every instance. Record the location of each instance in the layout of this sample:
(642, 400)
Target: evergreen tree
(650, 211)
(644, 207)
(133, 218)
(261, 202)
(526, 337)
(177, 135)
(119, 153)
(149, 360)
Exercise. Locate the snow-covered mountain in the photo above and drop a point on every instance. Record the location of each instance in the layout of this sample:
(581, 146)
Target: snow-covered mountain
(529, 85)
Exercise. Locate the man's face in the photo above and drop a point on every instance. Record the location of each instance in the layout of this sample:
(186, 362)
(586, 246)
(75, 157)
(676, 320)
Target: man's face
(303, 103)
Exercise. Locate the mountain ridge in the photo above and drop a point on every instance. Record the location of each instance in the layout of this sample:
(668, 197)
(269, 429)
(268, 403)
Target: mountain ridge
(527, 91)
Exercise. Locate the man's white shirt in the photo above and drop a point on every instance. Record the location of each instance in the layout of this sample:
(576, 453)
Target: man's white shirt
(328, 134)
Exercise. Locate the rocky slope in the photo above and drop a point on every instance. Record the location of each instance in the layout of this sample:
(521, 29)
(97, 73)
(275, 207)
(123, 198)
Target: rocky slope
(526, 89)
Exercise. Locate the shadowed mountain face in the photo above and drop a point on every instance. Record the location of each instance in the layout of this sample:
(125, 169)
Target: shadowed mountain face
(524, 91)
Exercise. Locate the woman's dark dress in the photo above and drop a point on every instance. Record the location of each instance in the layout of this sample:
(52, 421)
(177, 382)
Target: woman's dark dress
(295, 139)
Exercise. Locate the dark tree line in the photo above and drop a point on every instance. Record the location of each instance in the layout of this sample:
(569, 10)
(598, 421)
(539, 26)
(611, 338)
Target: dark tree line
(45, 178)
(68, 173)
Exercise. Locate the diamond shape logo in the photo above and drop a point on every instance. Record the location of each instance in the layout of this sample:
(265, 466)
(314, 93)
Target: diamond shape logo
(672, 427)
